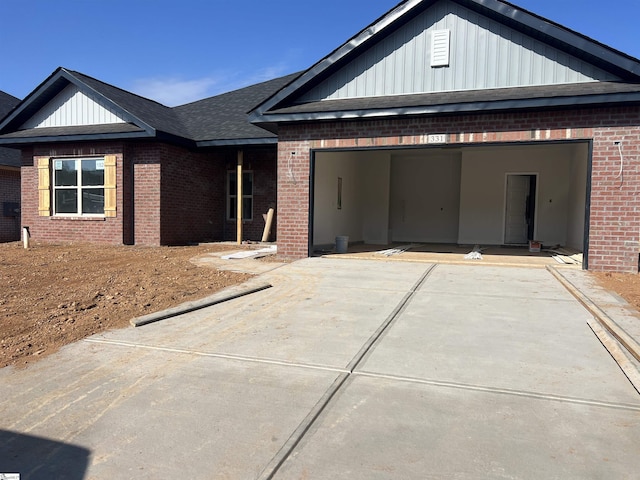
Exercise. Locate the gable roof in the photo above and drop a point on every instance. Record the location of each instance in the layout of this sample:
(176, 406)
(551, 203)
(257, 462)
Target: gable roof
(8, 157)
(217, 120)
(289, 104)
(144, 118)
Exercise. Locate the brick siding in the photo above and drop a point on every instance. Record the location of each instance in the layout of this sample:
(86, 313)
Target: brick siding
(192, 196)
(61, 229)
(166, 195)
(9, 192)
(615, 221)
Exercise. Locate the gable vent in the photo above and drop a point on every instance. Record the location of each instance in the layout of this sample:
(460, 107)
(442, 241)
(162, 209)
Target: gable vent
(440, 40)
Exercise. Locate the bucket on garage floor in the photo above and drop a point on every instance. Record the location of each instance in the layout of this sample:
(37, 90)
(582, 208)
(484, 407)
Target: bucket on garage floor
(342, 243)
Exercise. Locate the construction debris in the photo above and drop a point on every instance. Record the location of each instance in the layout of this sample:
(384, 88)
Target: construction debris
(396, 250)
(263, 252)
(565, 256)
(475, 254)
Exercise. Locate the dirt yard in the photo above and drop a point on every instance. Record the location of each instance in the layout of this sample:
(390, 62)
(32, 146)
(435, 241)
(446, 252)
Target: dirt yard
(624, 284)
(53, 295)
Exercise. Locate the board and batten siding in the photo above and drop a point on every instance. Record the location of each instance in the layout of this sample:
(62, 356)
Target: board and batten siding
(483, 54)
(71, 108)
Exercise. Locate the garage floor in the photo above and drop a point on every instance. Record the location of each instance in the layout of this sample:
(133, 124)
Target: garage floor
(455, 254)
(346, 368)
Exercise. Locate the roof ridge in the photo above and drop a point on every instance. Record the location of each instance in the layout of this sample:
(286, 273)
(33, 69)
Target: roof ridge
(76, 73)
(236, 90)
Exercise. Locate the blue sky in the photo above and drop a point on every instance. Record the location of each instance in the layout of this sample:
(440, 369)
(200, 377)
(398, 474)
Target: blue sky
(177, 51)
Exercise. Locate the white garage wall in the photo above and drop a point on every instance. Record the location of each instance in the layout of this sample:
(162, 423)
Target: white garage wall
(447, 196)
(425, 196)
(482, 198)
(375, 168)
(365, 197)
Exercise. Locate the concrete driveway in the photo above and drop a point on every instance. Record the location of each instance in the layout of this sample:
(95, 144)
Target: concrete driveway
(344, 369)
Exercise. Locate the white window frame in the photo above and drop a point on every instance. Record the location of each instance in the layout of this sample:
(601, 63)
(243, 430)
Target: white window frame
(78, 187)
(233, 199)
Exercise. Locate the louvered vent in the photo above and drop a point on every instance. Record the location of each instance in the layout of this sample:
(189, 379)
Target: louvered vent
(440, 40)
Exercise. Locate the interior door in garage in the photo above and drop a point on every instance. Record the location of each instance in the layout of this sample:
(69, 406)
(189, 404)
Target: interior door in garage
(520, 209)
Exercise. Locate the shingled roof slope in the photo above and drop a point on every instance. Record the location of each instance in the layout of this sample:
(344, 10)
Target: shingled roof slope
(8, 156)
(158, 116)
(224, 117)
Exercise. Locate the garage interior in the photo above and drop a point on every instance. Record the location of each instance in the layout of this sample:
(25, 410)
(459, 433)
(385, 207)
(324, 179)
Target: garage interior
(450, 199)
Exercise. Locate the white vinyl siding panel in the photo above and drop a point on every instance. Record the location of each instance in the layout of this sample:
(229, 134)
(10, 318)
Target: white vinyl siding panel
(71, 108)
(484, 54)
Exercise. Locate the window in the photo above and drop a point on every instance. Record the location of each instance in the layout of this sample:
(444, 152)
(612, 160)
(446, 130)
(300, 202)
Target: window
(232, 195)
(78, 186)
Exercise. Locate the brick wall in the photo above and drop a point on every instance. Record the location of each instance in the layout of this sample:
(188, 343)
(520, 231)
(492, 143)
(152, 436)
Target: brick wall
(146, 161)
(9, 192)
(614, 233)
(165, 194)
(192, 200)
(61, 229)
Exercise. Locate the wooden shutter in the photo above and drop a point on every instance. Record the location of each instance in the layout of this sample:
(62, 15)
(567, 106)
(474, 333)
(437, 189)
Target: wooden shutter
(109, 185)
(44, 186)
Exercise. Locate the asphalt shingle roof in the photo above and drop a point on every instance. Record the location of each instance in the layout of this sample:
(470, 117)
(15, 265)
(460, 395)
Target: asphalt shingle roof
(460, 97)
(216, 120)
(8, 156)
(224, 117)
(154, 114)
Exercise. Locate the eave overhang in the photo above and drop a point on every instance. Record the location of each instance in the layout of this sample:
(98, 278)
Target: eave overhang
(115, 131)
(237, 142)
(47, 90)
(599, 100)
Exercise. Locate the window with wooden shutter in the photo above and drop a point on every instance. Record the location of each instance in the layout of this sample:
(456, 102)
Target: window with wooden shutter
(83, 186)
(44, 186)
(110, 186)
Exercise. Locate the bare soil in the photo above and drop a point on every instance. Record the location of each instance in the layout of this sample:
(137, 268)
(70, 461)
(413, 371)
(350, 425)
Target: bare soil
(53, 295)
(627, 285)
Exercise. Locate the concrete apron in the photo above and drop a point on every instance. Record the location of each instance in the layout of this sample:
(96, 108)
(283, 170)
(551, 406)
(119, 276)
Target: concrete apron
(344, 369)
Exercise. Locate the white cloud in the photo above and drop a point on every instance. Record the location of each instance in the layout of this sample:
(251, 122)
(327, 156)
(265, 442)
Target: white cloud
(174, 91)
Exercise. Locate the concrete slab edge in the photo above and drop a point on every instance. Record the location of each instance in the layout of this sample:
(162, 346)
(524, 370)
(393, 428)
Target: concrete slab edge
(621, 358)
(219, 297)
(626, 340)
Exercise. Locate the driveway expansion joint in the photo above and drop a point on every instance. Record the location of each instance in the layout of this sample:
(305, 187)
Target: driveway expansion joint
(225, 356)
(502, 391)
(287, 449)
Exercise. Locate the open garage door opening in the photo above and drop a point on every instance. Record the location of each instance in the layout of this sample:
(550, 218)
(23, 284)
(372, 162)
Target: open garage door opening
(452, 198)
